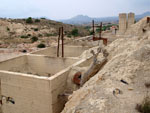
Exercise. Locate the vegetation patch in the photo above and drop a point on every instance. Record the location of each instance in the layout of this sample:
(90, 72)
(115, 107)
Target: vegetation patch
(29, 20)
(75, 32)
(49, 34)
(40, 35)
(24, 36)
(36, 29)
(43, 18)
(69, 36)
(144, 107)
(37, 20)
(29, 35)
(34, 39)
(41, 45)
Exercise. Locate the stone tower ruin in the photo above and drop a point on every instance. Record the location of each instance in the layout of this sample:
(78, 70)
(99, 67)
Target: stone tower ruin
(131, 19)
(125, 22)
(122, 22)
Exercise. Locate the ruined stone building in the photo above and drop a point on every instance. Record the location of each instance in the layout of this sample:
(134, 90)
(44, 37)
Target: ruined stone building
(125, 21)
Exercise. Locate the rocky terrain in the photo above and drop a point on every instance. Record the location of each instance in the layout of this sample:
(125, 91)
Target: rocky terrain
(122, 82)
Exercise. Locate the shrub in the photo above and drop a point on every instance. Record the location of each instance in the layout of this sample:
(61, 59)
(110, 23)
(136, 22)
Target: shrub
(29, 20)
(41, 45)
(69, 35)
(24, 51)
(24, 36)
(145, 106)
(36, 29)
(43, 18)
(91, 33)
(87, 27)
(104, 28)
(98, 30)
(75, 32)
(37, 20)
(48, 34)
(29, 35)
(34, 39)
(40, 35)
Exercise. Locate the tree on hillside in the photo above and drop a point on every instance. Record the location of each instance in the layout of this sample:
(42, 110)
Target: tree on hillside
(75, 32)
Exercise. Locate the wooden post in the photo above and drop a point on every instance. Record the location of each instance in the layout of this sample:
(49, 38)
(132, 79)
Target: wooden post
(62, 37)
(100, 33)
(58, 42)
(93, 29)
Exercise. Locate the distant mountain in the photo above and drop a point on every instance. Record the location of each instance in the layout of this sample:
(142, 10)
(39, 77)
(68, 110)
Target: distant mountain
(79, 19)
(83, 19)
(137, 17)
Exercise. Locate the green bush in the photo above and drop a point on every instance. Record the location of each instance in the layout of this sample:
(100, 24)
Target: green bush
(98, 30)
(29, 35)
(43, 18)
(104, 28)
(41, 45)
(34, 39)
(40, 35)
(24, 36)
(48, 34)
(69, 35)
(37, 20)
(36, 29)
(91, 33)
(29, 20)
(87, 27)
(75, 32)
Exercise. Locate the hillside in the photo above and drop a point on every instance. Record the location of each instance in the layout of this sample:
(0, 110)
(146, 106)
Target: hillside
(19, 31)
(123, 82)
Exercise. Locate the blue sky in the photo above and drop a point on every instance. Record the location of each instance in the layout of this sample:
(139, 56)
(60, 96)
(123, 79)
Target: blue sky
(64, 9)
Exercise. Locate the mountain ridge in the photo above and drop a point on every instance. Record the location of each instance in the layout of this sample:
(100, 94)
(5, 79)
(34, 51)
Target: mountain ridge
(84, 19)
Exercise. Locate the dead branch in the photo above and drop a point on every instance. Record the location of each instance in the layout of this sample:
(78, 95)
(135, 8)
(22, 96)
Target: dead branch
(95, 65)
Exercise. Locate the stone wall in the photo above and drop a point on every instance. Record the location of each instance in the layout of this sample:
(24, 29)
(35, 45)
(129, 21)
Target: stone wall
(69, 51)
(31, 94)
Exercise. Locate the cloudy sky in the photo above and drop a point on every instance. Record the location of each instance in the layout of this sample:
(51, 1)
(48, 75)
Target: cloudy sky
(64, 9)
